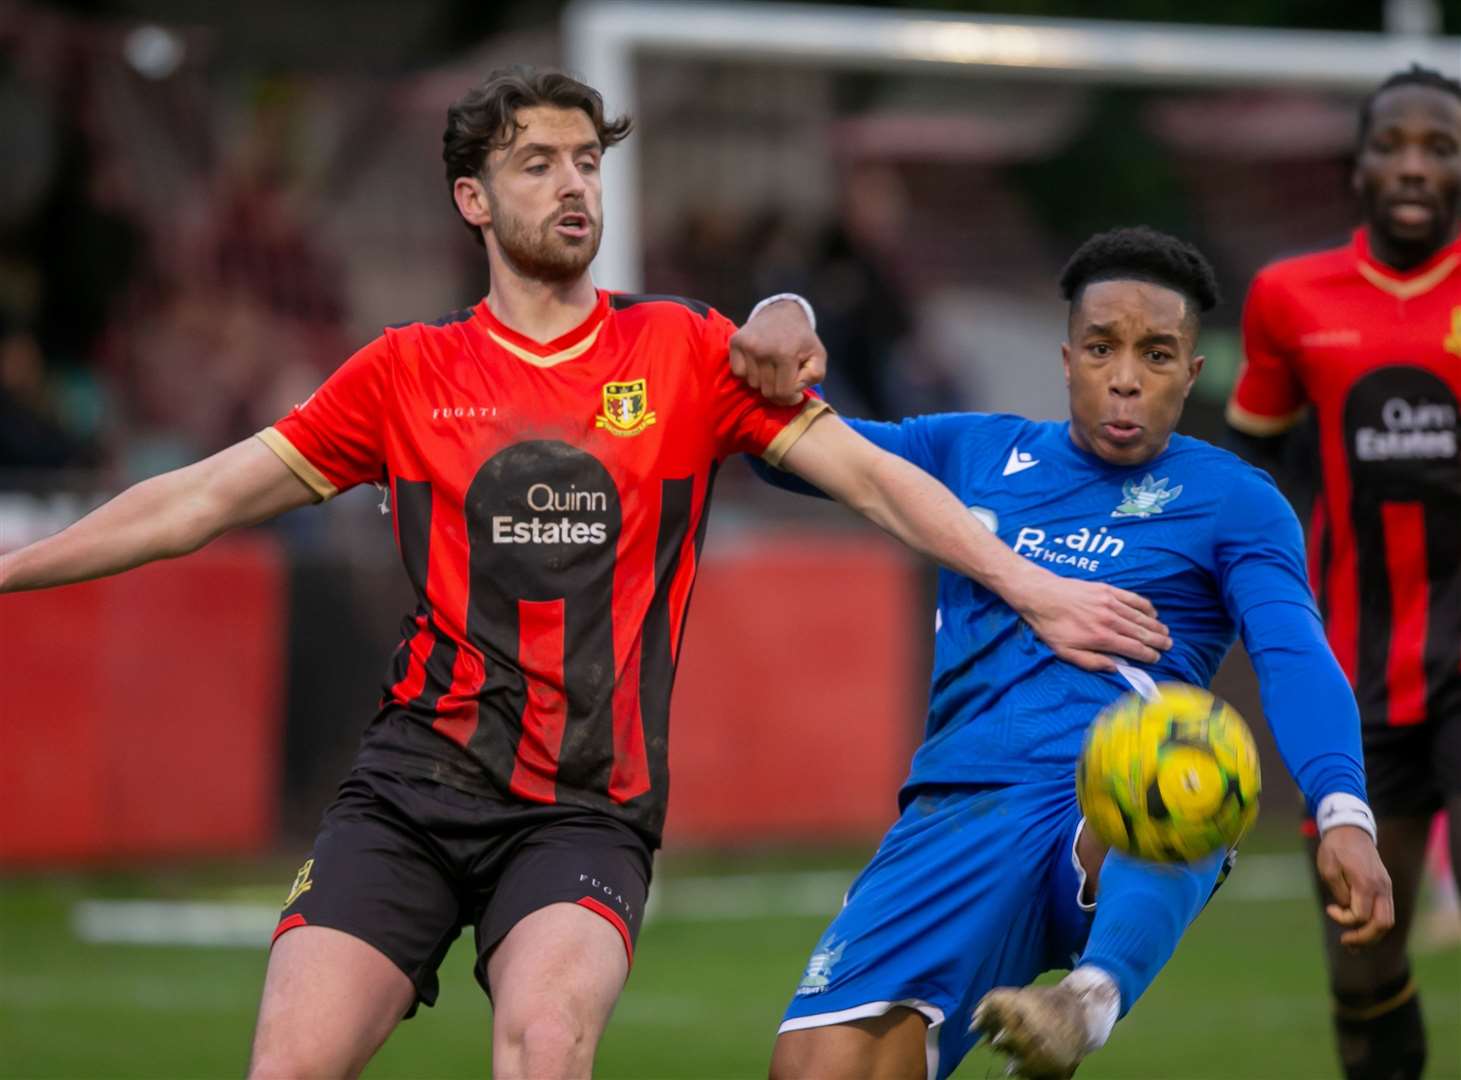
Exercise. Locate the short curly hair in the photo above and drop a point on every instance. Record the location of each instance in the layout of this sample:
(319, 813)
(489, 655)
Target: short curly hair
(1141, 254)
(484, 119)
(1415, 75)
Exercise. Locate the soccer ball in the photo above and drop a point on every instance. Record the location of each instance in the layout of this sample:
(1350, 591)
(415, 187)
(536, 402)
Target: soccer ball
(1171, 779)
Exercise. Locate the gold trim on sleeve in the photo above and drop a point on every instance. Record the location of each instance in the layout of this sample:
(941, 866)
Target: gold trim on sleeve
(1251, 423)
(786, 438)
(1409, 288)
(298, 464)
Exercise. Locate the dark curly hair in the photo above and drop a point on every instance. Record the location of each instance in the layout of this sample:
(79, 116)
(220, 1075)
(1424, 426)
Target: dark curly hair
(1415, 75)
(1141, 254)
(484, 119)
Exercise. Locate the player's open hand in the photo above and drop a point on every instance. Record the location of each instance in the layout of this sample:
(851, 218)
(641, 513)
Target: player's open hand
(778, 353)
(1085, 622)
(1359, 885)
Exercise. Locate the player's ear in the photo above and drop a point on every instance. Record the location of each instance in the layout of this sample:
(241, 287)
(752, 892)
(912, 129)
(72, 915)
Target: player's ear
(1065, 360)
(470, 195)
(1194, 369)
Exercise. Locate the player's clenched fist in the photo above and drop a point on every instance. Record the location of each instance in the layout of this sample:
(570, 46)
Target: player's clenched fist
(778, 352)
(1358, 883)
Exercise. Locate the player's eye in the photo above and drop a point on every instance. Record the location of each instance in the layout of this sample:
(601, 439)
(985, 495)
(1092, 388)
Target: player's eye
(1099, 348)
(1157, 356)
(1442, 146)
(537, 168)
(588, 165)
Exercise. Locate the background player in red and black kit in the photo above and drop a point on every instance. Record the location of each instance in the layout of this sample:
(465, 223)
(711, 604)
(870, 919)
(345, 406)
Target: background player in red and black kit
(1368, 336)
(550, 454)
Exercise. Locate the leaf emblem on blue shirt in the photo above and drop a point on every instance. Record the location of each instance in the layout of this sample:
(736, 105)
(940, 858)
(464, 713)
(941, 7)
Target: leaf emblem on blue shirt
(1146, 498)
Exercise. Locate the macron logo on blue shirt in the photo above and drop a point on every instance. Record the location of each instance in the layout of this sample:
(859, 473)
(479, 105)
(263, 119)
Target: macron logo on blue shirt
(1019, 461)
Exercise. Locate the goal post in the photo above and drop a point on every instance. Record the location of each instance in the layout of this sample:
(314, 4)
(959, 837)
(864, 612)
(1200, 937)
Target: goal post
(605, 40)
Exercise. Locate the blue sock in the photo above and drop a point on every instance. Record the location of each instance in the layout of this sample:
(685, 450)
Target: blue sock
(1142, 910)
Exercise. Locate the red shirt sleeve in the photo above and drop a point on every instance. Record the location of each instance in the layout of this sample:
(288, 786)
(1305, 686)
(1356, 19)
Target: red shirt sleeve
(745, 422)
(1268, 397)
(335, 439)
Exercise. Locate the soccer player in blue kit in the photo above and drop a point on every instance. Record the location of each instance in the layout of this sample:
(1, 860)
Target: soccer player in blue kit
(988, 877)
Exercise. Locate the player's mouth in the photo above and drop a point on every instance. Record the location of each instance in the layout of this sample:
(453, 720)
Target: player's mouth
(1121, 432)
(572, 225)
(1411, 213)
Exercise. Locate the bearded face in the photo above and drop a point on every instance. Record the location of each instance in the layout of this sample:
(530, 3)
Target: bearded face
(543, 213)
(554, 248)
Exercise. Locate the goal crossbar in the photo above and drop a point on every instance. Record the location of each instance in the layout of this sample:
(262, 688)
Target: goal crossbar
(604, 39)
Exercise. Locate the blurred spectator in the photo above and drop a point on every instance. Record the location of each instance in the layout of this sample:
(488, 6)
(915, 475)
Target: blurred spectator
(242, 365)
(87, 248)
(257, 239)
(864, 314)
(31, 436)
(847, 268)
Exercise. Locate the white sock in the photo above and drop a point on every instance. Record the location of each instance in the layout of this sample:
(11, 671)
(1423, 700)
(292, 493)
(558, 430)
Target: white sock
(1102, 1000)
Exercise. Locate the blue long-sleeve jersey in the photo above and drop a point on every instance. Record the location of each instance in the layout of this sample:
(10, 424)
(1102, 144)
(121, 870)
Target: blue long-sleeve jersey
(1205, 537)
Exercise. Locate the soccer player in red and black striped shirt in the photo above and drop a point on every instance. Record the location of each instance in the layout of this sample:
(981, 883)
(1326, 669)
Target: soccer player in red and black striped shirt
(550, 455)
(1368, 336)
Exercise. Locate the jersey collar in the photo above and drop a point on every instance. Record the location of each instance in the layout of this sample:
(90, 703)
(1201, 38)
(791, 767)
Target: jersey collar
(1405, 286)
(548, 354)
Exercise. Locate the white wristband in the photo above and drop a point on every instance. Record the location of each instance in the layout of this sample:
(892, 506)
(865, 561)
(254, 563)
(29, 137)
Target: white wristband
(794, 298)
(1341, 809)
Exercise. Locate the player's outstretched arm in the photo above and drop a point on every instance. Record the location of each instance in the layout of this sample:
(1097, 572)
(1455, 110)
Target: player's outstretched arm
(1259, 554)
(1312, 714)
(1081, 621)
(161, 518)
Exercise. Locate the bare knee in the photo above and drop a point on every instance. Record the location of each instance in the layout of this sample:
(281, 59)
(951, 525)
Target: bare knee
(289, 1052)
(554, 978)
(546, 1041)
(285, 1062)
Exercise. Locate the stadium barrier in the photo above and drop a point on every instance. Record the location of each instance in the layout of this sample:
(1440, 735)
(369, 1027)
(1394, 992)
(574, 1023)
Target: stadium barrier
(799, 693)
(143, 711)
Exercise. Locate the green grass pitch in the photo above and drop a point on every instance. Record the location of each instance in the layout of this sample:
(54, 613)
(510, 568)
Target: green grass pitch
(1243, 998)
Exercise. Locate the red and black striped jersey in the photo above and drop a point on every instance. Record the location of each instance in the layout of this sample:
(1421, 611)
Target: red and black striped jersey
(549, 504)
(1377, 355)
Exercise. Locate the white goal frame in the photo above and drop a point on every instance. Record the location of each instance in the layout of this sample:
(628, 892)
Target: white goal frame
(604, 39)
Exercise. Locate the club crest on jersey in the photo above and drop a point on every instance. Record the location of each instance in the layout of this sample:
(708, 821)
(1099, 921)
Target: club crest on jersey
(626, 408)
(1452, 344)
(1146, 498)
(302, 883)
(819, 968)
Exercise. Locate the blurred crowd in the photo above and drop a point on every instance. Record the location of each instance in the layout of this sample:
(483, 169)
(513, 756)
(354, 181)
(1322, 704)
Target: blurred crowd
(188, 253)
(160, 296)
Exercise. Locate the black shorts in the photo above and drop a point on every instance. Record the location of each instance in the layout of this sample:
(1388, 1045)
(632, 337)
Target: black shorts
(1412, 769)
(404, 863)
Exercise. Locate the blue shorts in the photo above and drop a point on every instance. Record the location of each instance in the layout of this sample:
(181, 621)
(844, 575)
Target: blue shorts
(972, 888)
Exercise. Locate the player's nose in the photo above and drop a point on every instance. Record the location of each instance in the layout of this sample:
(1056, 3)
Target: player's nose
(1414, 166)
(1125, 378)
(573, 184)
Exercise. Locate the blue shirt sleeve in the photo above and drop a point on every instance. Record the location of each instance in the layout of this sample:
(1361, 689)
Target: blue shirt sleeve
(926, 441)
(1311, 710)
